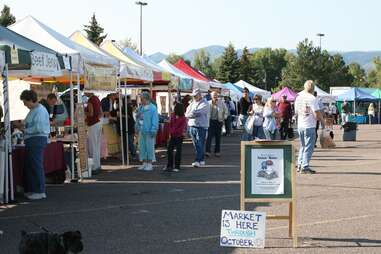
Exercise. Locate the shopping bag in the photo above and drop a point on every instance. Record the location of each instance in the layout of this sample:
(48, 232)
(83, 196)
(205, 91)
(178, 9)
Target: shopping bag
(249, 125)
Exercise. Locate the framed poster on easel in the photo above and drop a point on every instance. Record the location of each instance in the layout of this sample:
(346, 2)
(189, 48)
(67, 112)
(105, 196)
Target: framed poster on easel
(268, 176)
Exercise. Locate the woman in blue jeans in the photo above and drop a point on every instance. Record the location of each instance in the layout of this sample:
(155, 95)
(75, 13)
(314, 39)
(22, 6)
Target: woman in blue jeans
(36, 132)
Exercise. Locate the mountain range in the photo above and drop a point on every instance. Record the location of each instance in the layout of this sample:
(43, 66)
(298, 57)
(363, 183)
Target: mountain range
(364, 58)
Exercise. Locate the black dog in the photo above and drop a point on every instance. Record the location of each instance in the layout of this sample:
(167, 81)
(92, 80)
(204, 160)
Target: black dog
(51, 243)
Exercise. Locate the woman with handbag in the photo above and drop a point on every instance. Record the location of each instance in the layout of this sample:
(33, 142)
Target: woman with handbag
(270, 114)
(256, 111)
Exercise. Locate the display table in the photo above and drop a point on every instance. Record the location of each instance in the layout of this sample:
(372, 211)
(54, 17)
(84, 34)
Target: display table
(162, 134)
(54, 160)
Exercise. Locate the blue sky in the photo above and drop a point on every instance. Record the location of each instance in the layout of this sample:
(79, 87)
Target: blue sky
(180, 25)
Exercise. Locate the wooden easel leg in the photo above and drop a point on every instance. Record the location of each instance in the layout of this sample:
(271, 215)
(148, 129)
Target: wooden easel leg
(294, 226)
(290, 220)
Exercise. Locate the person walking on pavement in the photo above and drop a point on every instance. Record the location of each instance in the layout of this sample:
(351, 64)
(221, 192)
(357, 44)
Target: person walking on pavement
(270, 124)
(345, 111)
(147, 125)
(231, 113)
(177, 128)
(218, 114)
(243, 108)
(308, 112)
(256, 110)
(94, 113)
(285, 112)
(198, 121)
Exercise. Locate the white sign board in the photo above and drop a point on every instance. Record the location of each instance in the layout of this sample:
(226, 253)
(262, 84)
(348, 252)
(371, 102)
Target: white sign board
(243, 229)
(14, 56)
(267, 171)
(45, 64)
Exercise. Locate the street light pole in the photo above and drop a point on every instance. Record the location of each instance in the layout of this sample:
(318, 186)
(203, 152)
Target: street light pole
(141, 24)
(320, 35)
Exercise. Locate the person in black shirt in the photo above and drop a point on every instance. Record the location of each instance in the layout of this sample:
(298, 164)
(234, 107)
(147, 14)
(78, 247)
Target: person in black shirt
(130, 128)
(243, 108)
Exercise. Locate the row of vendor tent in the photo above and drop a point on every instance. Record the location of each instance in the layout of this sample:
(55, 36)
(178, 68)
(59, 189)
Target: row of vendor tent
(131, 67)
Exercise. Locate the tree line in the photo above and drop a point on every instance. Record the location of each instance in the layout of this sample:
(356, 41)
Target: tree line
(272, 69)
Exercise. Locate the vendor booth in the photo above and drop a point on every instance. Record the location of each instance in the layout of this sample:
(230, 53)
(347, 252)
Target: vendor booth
(20, 58)
(359, 101)
(92, 69)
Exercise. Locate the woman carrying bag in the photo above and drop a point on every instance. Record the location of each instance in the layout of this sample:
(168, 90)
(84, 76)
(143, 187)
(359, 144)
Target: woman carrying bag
(270, 115)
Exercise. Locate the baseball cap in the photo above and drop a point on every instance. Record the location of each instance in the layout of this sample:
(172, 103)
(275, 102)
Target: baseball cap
(196, 92)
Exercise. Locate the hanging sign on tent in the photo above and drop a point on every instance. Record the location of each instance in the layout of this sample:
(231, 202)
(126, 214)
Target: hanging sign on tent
(100, 78)
(14, 56)
(66, 60)
(45, 64)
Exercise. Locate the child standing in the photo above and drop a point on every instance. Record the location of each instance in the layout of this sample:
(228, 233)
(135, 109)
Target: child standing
(177, 127)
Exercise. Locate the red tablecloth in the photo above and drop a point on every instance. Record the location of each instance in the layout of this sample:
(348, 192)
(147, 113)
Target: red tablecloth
(163, 134)
(54, 160)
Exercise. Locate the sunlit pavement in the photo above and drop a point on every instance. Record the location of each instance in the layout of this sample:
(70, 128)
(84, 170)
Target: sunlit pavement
(128, 211)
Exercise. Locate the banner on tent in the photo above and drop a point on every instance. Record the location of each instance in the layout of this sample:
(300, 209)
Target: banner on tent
(14, 56)
(100, 78)
(45, 64)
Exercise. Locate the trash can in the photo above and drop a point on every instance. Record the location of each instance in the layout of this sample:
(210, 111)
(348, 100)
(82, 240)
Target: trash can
(350, 129)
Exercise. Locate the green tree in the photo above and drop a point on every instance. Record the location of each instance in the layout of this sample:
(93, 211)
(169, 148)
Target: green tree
(267, 65)
(229, 69)
(312, 63)
(339, 75)
(128, 43)
(173, 58)
(202, 63)
(94, 31)
(374, 76)
(245, 70)
(358, 75)
(6, 18)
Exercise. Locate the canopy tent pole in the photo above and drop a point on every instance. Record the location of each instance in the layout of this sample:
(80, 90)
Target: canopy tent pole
(72, 123)
(79, 100)
(379, 106)
(8, 176)
(126, 133)
(121, 120)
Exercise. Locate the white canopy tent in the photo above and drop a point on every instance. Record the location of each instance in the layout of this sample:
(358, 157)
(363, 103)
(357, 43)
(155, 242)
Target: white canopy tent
(134, 70)
(81, 56)
(242, 84)
(46, 36)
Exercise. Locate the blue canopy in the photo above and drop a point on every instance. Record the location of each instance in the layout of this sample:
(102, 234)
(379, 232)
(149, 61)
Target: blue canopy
(356, 94)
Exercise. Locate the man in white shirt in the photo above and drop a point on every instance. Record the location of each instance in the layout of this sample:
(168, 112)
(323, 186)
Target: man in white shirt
(308, 113)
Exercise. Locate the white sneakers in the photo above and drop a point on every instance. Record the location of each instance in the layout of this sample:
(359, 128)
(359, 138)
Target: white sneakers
(197, 164)
(146, 167)
(34, 196)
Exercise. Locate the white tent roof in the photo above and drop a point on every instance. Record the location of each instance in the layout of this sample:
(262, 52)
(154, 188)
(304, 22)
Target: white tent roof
(46, 36)
(324, 96)
(242, 84)
(128, 66)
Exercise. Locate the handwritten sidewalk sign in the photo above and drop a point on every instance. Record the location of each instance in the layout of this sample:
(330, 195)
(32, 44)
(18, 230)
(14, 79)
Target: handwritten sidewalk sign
(243, 229)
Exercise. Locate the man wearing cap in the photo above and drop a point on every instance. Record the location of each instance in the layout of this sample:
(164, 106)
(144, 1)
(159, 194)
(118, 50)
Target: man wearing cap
(285, 111)
(218, 114)
(198, 121)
